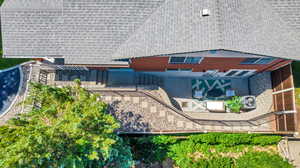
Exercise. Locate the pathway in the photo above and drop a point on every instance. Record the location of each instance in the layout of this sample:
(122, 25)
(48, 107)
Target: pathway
(139, 113)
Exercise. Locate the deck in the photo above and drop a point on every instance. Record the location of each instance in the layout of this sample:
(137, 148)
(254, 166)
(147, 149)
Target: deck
(150, 109)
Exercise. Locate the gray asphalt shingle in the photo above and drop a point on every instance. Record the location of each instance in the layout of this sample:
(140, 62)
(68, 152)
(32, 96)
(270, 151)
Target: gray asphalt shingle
(97, 31)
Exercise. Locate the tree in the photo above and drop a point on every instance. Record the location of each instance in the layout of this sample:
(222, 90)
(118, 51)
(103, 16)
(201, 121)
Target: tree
(67, 127)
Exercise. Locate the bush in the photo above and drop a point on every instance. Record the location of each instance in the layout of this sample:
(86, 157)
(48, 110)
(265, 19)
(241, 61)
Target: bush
(210, 138)
(163, 140)
(261, 159)
(202, 150)
(150, 149)
(221, 162)
(234, 139)
(235, 104)
(266, 140)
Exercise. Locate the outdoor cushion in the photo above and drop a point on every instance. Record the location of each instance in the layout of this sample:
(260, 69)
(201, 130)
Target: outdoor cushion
(217, 106)
(198, 94)
(230, 93)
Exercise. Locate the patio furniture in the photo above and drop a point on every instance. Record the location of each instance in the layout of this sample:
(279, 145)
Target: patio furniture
(249, 102)
(216, 106)
(198, 94)
(230, 93)
(215, 94)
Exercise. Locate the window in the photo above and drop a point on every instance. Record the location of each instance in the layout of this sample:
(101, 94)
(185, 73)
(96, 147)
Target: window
(258, 61)
(185, 60)
(242, 73)
(250, 60)
(238, 73)
(177, 60)
(193, 60)
(232, 73)
(265, 61)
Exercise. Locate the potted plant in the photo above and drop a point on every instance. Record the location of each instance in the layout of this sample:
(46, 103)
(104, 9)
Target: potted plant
(235, 104)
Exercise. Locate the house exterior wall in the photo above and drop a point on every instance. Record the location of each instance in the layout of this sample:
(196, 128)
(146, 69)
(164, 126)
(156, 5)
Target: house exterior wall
(208, 63)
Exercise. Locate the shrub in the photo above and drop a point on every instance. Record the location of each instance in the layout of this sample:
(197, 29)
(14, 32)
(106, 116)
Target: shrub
(210, 138)
(234, 139)
(261, 159)
(150, 149)
(235, 104)
(266, 140)
(221, 162)
(163, 140)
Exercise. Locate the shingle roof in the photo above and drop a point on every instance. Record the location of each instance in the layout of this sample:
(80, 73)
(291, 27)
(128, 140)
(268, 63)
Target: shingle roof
(251, 26)
(95, 32)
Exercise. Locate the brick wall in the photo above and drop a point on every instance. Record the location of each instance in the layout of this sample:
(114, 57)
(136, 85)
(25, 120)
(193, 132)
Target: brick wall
(222, 64)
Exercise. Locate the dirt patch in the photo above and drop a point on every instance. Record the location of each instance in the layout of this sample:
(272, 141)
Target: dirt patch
(269, 149)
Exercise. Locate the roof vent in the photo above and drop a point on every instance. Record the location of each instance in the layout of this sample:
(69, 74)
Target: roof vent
(205, 12)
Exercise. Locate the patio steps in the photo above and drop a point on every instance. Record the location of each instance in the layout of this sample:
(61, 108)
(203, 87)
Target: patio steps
(91, 78)
(147, 79)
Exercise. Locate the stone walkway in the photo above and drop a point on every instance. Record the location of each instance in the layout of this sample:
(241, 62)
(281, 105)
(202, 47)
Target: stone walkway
(139, 113)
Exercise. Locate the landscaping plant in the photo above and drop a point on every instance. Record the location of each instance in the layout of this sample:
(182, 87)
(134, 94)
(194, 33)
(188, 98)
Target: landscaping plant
(67, 127)
(234, 104)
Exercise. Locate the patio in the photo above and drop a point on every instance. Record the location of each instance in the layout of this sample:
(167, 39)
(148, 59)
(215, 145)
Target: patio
(142, 110)
(181, 90)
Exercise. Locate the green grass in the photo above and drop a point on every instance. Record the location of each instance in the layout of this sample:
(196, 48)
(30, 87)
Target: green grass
(296, 73)
(10, 62)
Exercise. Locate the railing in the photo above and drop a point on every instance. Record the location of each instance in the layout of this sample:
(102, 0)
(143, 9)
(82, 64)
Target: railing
(209, 122)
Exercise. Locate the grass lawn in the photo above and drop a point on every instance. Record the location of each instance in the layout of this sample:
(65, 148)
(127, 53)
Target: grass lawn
(296, 73)
(10, 62)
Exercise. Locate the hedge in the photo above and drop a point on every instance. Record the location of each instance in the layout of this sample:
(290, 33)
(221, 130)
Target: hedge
(235, 139)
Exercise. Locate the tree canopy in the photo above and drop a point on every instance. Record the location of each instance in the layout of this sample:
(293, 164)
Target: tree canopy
(67, 127)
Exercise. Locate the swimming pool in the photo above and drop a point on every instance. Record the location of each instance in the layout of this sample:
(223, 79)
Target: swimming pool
(9, 86)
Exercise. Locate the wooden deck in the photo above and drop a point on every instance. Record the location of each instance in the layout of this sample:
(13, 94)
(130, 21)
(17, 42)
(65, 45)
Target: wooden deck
(284, 99)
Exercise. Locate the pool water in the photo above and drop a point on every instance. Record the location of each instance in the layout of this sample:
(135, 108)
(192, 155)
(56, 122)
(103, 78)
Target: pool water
(9, 86)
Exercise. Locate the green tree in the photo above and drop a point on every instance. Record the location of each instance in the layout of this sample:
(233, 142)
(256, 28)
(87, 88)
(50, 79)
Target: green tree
(67, 127)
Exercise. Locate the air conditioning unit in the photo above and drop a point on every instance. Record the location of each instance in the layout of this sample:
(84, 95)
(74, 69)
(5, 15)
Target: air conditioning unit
(205, 12)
